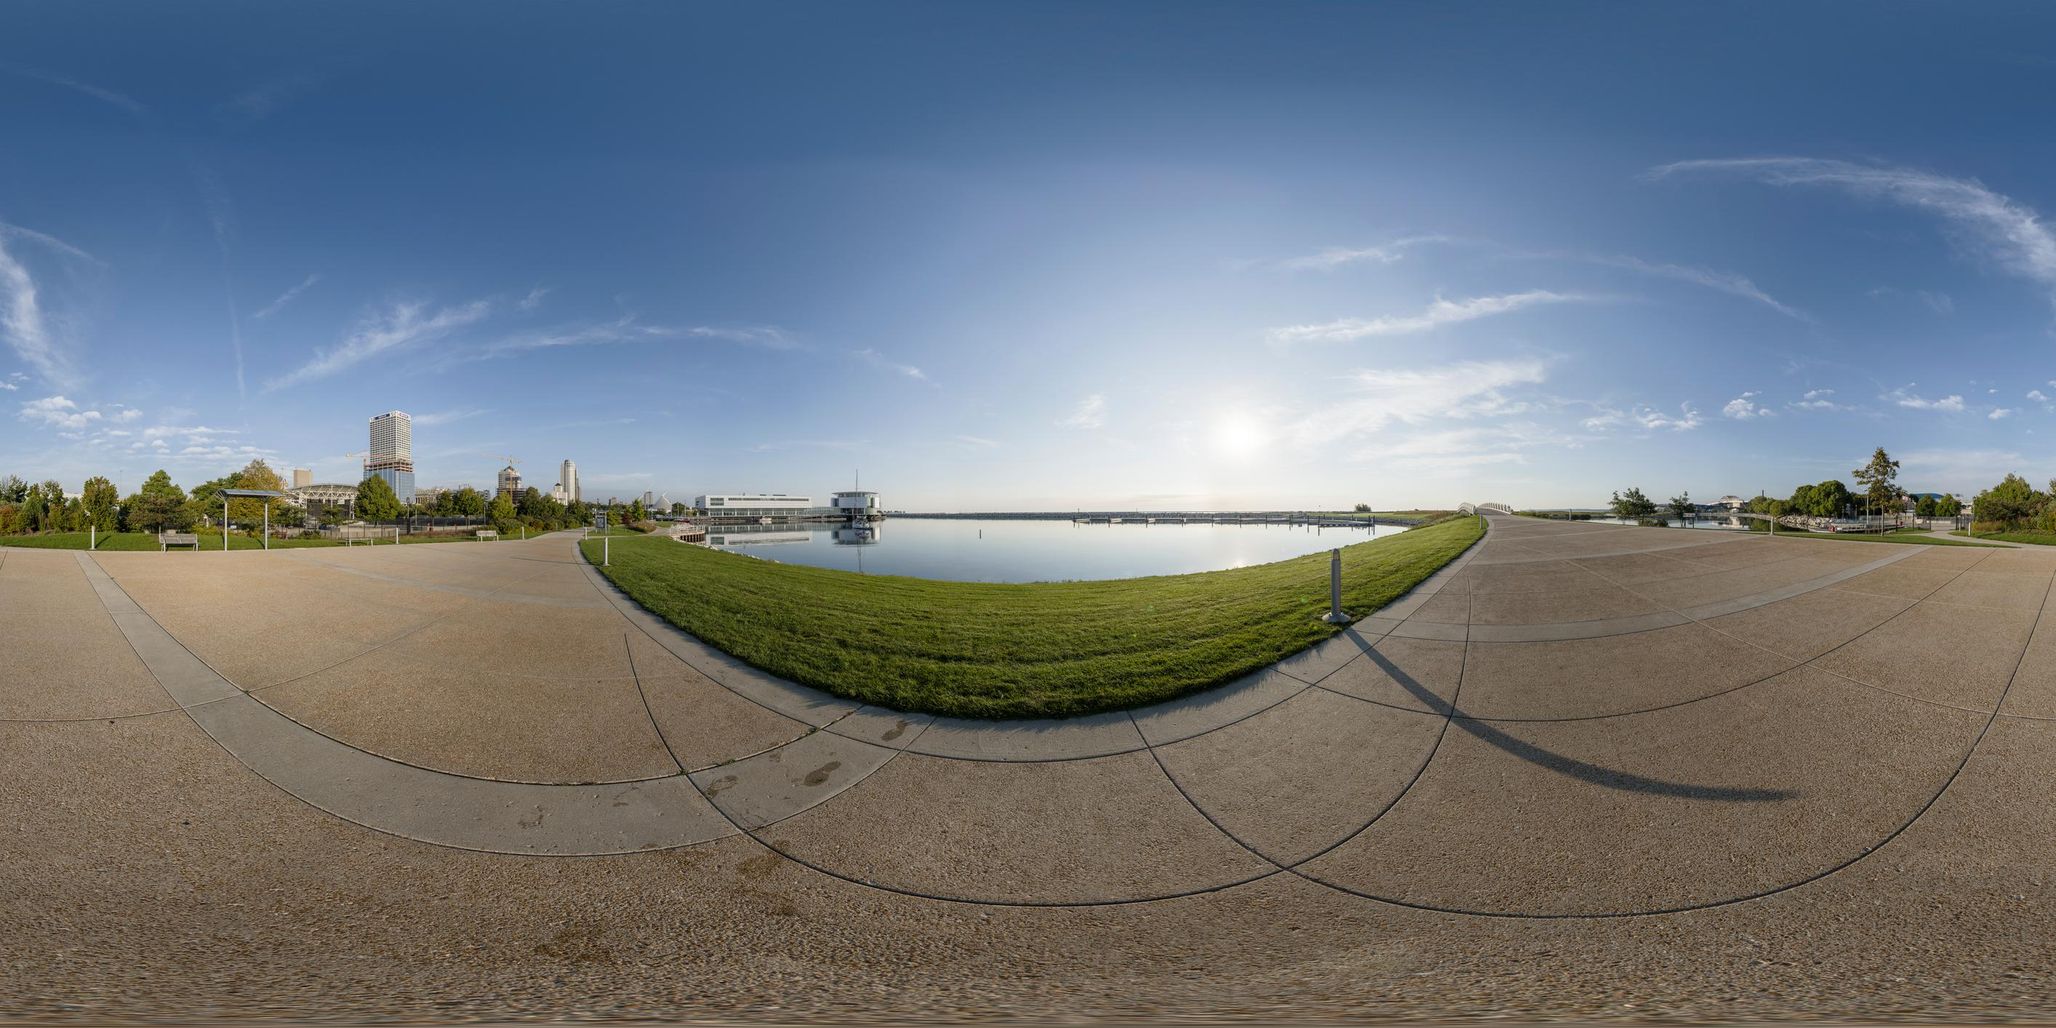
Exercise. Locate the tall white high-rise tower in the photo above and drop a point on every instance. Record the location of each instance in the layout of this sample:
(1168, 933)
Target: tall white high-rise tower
(569, 480)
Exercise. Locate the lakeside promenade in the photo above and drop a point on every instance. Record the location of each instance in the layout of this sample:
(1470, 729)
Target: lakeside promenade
(1585, 770)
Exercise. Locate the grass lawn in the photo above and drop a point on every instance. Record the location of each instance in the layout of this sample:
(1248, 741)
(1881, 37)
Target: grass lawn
(1054, 649)
(1914, 536)
(2030, 538)
(115, 541)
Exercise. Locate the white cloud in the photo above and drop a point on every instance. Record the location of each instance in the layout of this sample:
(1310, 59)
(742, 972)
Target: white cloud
(628, 329)
(1744, 407)
(1719, 281)
(977, 440)
(286, 297)
(877, 359)
(2010, 234)
(57, 412)
(2000, 412)
(445, 417)
(8, 386)
(1646, 418)
(22, 321)
(1818, 399)
(1380, 397)
(398, 328)
(1903, 397)
(1441, 312)
(1091, 412)
(534, 298)
(109, 96)
(1335, 256)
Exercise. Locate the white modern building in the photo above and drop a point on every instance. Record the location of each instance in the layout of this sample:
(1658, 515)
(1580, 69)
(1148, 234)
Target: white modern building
(855, 503)
(567, 478)
(752, 505)
(392, 453)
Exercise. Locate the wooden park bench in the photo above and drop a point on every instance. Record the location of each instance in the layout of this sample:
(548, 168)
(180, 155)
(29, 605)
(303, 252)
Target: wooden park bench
(487, 533)
(167, 540)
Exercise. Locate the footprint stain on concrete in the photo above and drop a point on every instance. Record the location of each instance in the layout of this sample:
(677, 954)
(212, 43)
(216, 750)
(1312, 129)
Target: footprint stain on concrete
(820, 774)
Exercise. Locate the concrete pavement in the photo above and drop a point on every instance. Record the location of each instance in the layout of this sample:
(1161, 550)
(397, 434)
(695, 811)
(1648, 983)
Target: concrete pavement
(1589, 770)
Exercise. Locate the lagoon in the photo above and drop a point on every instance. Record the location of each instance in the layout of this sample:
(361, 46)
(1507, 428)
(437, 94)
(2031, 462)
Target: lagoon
(1027, 550)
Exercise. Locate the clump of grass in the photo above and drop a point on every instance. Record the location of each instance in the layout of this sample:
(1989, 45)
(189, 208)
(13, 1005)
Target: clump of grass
(1058, 649)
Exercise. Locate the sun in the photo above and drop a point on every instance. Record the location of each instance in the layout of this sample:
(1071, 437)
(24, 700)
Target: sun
(1237, 435)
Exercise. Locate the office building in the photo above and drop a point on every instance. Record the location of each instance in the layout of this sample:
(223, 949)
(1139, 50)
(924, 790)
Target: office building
(392, 453)
(568, 478)
(303, 477)
(510, 484)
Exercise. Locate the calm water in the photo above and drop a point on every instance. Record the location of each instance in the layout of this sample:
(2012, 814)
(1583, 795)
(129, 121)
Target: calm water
(1032, 551)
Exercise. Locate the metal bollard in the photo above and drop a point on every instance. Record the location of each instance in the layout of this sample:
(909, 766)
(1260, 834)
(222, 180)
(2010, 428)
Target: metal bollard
(1335, 616)
(605, 557)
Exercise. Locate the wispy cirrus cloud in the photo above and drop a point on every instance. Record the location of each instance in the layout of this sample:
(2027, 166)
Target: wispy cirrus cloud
(1719, 281)
(398, 328)
(1091, 412)
(1819, 399)
(630, 329)
(1441, 312)
(1378, 397)
(1339, 256)
(2005, 231)
(286, 297)
(123, 101)
(879, 360)
(447, 416)
(42, 342)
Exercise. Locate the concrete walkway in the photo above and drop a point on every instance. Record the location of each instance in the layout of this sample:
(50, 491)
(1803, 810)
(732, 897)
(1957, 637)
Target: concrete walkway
(1620, 731)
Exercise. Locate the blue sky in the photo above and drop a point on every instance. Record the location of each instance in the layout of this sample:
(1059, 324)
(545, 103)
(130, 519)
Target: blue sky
(1035, 256)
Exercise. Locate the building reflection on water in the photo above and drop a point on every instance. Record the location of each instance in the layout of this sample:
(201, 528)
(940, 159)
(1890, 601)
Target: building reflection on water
(861, 534)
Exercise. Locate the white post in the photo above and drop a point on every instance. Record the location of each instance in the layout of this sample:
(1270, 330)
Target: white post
(606, 557)
(224, 522)
(267, 526)
(93, 536)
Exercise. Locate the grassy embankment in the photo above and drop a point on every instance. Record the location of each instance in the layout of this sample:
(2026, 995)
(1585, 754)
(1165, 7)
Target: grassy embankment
(1053, 649)
(2030, 538)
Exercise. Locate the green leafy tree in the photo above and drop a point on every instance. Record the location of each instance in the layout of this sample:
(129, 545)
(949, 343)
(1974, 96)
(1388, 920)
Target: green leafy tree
(2010, 502)
(376, 500)
(468, 502)
(1924, 507)
(101, 503)
(636, 513)
(1680, 505)
(1879, 480)
(1633, 505)
(502, 514)
(13, 490)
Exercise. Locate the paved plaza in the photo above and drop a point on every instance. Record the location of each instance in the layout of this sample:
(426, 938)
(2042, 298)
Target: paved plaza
(1585, 770)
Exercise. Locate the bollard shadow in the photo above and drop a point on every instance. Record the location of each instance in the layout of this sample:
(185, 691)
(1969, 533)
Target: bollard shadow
(1583, 771)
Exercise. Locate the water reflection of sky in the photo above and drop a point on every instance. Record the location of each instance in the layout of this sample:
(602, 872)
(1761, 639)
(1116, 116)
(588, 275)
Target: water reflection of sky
(1032, 551)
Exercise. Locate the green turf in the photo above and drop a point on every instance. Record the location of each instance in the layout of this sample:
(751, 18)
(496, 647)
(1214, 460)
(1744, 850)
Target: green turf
(115, 541)
(1053, 649)
(2028, 537)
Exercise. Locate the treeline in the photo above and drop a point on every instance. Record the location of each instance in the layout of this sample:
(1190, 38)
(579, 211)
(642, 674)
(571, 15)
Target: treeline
(161, 505)
(2014, 505)
(1880, 494)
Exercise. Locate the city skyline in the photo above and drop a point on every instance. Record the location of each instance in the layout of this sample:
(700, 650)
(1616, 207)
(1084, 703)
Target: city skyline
(1233, 258)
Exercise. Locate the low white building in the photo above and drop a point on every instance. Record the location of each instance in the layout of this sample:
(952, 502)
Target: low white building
(752, 505)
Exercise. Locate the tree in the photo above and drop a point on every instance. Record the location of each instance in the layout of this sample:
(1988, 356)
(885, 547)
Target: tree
(1924, 507)
(469, 502)
(502, 515)
(1634, 505)
(13, 490)
(1361, 508)
(2010, 502)
(376, 500)
(1681, 505)
(636, 514)
(1879, 480)
(251, 510)
(101, 502)
(1829, 499)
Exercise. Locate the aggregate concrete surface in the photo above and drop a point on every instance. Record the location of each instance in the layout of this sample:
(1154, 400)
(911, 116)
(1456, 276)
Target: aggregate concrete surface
(1585, 771)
